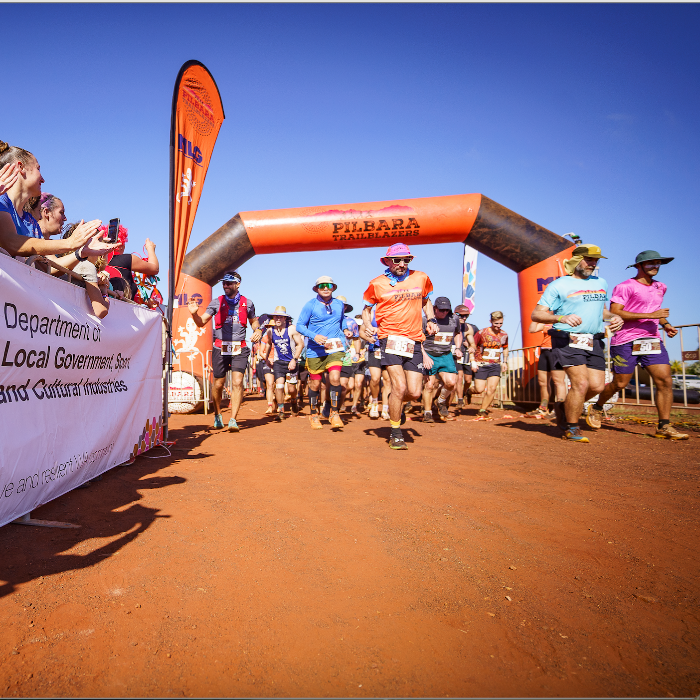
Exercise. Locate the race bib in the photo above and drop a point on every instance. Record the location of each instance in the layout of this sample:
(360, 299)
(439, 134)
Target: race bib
(377, 354)
(230, 348)
(400, 345)
(646, 346)
(443, 338)
(291, 378)
(491, 354)
(581, 341)
(334, 345)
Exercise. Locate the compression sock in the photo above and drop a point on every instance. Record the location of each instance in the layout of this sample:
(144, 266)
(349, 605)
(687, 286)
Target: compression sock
(313, 400)
(663, 422)
(335, 390)
(444, 394)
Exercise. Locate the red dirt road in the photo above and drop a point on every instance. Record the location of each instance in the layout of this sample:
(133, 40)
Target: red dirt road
(491, 559)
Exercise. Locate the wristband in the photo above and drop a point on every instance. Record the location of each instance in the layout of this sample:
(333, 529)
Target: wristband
(560, 318)
(77, 255)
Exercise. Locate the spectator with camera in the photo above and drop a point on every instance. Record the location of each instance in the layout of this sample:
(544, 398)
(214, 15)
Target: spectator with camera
(121, 266)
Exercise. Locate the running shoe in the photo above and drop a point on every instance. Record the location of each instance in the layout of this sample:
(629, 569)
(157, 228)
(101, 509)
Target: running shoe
(218, 422)
(270, 410)
(444, 411)
(326, 412)
(336, 420)
(408, 407)
(574, 434)
(385, 415)
(374, 410)
(469, 398)
(560, 415)
(483, 412)
(396, 442)
(428, 417)
(295, 409)
(668, 432)
(594, 416)
(539, 411)
(460, 403)
(355, 411)
(281, 415)
(233, 426)
(403, 417)
(315, 422)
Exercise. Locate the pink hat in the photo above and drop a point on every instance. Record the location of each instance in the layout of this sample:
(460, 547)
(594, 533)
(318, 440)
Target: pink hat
(396, 250)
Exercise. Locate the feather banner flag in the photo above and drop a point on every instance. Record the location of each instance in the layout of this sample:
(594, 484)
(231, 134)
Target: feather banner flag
(469, 277)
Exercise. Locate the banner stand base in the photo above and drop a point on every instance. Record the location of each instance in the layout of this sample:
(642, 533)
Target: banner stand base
(28, 520)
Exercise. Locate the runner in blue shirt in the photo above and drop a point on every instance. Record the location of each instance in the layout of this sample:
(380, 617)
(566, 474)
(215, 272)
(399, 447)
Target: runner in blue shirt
(321, 321)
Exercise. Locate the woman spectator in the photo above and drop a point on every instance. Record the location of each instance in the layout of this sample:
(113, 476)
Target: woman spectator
(20, 234)
(126, 264)
(49, 212)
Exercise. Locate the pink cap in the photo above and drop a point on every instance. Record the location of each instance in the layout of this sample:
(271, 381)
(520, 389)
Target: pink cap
(397, 250)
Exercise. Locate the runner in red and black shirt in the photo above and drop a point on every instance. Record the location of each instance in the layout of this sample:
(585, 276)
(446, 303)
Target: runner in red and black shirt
(490, 359)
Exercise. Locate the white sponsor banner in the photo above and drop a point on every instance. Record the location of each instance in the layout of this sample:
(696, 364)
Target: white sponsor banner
(78, 395)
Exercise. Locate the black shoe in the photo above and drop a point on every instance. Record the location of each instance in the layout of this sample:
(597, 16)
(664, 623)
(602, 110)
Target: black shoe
(560, 416)
(428, 417)
(403, 417)
(295, 409)
(396, 442)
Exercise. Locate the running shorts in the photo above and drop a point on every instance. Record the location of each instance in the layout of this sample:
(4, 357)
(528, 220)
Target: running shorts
(319, 365)
(490, 369)
(347, 371)
(624, 362)
(280, 369)
(410, 364)
(223, 363)
(546, 362)
(373, 361)
(565, 356)
(261, 369)
(442, 363)
(359, 367)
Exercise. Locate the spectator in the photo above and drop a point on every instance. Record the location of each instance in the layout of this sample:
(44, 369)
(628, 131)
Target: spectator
(124, 265)
(49, 212)
(20, 235)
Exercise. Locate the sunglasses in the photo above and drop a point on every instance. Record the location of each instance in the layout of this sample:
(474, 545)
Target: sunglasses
(397, 261)
(230, 282)
(325, 285)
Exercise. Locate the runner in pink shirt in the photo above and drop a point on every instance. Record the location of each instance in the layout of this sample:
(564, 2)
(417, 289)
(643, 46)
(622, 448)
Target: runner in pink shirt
(638, 301)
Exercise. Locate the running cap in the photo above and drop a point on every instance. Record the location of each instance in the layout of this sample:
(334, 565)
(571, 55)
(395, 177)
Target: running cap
(462, 309)
(264, 320)
(395, 251)
(280, 311)
(231, 276)
(647, 255)
(442, 303)
(348, 307)
(586, 250)
(324, 279)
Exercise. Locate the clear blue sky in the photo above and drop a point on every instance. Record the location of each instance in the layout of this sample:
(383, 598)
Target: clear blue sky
(579, 117)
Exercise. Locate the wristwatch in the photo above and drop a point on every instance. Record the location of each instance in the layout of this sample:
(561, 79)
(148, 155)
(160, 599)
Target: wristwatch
(431, 320)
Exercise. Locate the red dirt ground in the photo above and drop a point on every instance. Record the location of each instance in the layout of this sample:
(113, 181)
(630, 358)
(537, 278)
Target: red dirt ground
(491, 559)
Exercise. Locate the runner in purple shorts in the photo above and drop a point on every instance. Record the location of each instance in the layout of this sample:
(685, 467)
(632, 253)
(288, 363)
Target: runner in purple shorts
(638, 301)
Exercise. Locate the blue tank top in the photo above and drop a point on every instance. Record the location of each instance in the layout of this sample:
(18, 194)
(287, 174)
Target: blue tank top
(283, 345)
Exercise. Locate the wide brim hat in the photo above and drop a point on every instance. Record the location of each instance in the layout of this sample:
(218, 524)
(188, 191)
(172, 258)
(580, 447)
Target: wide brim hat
(280, 311)
(588, 250)
(324, 280)
(647, 255)
(395, 251)
(348, 307)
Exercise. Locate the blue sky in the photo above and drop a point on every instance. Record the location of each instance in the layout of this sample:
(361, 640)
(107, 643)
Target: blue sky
(578, 117)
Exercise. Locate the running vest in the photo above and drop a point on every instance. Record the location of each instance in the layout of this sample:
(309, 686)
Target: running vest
(222, 315)
(284, 345)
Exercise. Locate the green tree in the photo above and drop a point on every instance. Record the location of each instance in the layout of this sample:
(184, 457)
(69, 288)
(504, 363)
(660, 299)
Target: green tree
(676, 367)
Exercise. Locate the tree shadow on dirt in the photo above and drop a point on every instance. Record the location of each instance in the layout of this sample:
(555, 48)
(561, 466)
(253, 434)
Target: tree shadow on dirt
(109, 508)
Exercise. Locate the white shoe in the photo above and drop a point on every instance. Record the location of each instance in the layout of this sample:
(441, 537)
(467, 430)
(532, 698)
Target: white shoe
(385, 415)
(374, 411)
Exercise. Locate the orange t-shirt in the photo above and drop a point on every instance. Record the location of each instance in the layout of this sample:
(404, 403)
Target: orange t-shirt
(547, 342)
(399, 309)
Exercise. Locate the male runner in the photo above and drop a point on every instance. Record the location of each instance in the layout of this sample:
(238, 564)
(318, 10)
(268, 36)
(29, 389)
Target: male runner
(264, 373)
(465, 373)
(399, 295)
(288, 345)
(546, 371)
(575, 304)
(231, 313)
(347, 374)
(321, 321)
(490, 359)
(438, 359)
(638, 302)
(376, 373)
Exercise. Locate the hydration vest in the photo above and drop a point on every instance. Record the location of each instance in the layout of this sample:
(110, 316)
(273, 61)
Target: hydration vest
(222, 315)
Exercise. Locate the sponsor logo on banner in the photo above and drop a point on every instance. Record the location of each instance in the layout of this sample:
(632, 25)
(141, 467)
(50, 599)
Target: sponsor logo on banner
(185, 147)
(187, 185)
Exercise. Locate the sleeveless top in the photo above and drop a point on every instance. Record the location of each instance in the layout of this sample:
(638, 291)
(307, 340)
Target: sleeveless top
(284, 345)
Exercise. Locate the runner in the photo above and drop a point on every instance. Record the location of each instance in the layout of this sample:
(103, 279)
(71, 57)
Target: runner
(231, 313)
(490, 359)
(321, 322)
(576, 302)
(465, 373)
(288, 346)
(438, 359)
(638, 302)
(359, 368)
(546, 372)
(347, 375)
(378, 377)
(400, 295)
(264, 374)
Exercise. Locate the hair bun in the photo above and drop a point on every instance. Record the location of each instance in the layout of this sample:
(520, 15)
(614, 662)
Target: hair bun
(3, 146)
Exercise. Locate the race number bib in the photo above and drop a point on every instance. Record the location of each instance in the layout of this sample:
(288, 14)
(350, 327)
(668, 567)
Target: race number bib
(230, 348)
(581, 341)
(334, 345)
(291, 378)
(400, 345)
(443, 338)
(491, 354)
(377, 354)
(646, 346)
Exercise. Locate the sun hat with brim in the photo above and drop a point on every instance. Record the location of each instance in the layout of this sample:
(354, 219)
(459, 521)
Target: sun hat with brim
(325, 280)
(395, 251)
(647, 255)
(588, 251)
(462, 309)
(348, 307)
(280, 311)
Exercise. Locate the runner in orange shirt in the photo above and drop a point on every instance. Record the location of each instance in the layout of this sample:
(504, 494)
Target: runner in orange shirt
(400, 295)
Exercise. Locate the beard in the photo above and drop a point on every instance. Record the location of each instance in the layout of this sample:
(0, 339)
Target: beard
(583, 270)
